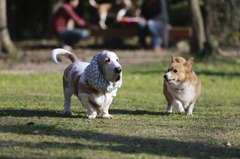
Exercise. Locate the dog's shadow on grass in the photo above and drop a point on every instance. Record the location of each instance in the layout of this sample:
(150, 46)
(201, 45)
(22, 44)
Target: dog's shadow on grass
(116, 143)
(136, 112)
(51, 113)
(34, 113)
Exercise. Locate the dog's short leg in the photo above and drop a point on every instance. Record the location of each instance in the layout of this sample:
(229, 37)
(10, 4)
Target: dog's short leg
(178, 105)
(103, 18)
(90, 114)
(67, 102)
(104, 113)
(90, 109)
(121, 14)
(190, 109)
(169, 108)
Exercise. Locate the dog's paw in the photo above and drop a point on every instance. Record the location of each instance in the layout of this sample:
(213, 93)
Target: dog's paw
(103, 25)
(108, 116)
(91, 116)
(169, 110)
(181, 112)
(67, 113)
(189, 113)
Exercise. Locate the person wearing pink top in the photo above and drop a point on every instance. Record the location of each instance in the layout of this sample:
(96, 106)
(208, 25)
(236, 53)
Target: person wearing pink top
(60, 20)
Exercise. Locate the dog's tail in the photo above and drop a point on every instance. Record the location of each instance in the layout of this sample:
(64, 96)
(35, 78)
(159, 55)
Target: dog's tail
(63, 52)
(94, 3)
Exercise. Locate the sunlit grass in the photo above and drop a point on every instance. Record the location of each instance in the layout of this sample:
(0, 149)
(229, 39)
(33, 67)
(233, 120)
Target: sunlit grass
(31, 125)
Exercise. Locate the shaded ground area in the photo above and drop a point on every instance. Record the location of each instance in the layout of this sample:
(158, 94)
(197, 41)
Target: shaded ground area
(34, 56)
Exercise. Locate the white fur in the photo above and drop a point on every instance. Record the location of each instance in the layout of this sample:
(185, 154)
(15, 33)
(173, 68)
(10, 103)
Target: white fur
(183, 94)
(58, 51)
(102, 20)
(121, 14)
(103, 15)
(79, 86)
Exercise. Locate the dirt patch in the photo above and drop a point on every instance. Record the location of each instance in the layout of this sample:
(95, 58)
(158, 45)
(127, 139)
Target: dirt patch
(35, 56)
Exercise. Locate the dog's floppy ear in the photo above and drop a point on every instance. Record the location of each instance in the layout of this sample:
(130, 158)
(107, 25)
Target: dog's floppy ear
(189, 63)
(173, 59)
(100, 61)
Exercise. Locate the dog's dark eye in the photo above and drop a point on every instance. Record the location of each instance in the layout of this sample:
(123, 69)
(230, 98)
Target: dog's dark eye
(175, 71)
(117, 60)
(107, 60)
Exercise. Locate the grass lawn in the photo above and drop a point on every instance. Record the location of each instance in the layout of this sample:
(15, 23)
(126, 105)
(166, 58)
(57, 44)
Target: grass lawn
(31, 125)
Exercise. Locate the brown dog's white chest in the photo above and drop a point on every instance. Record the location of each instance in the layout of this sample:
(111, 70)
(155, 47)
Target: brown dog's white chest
(184, 92)
(181, 86)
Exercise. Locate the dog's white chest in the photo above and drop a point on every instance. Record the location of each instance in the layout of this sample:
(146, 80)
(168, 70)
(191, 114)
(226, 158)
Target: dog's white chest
(103, 98)
(183, 92)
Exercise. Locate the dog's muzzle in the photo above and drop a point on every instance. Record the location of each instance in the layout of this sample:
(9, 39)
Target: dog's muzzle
(167, 79)
(118, 71)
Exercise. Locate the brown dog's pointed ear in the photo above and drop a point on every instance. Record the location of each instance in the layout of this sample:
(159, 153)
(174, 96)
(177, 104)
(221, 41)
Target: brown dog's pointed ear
(173, 59)
(189, 62)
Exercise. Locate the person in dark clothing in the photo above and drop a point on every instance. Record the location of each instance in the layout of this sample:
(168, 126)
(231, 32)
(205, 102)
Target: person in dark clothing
(60, 21)
(154, 20)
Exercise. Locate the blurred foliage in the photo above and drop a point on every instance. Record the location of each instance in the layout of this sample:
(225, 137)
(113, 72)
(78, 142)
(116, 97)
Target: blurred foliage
(28, 19)
(179, 13)
(231, 16)
(225, 19)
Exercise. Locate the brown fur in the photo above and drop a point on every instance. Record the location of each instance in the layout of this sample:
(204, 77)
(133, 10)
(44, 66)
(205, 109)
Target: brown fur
(65, 83)
(75, 81)
(86, 88)
(72, 57)
(181, 71)
(106, 7)
(180, 60)
(94, 105)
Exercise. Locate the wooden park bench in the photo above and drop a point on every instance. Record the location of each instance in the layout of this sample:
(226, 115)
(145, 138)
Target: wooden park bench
(174, 32)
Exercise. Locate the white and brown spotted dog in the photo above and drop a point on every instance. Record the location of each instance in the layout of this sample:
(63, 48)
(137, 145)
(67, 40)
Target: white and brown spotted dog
(181, 86)
(95, 84)
(106, 9)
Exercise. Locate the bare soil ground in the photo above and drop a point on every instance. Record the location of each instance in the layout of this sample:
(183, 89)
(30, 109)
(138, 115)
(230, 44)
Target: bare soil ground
(34, 56)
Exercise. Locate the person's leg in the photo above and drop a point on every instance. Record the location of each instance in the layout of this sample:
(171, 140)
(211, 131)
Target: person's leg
(142, 31)
(70, 37)
(154, 32)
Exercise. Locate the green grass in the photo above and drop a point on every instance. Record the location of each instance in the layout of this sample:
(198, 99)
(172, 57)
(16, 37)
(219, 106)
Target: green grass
(31, 125)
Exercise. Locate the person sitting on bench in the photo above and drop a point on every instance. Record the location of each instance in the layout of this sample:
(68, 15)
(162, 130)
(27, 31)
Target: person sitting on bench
(154, 20)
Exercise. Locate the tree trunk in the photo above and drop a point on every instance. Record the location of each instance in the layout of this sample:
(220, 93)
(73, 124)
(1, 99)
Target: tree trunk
(211, 46)
(198, 39)
(6, 45)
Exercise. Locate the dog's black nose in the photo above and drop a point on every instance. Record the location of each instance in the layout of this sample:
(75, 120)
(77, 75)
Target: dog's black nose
(165, 76)
(118, 69)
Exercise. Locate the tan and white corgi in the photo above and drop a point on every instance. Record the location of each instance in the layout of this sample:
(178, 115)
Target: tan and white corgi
(181, 86)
